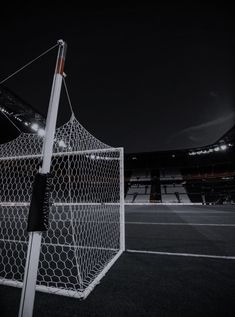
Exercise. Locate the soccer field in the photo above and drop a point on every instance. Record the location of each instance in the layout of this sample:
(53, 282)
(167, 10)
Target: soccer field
(179, 261)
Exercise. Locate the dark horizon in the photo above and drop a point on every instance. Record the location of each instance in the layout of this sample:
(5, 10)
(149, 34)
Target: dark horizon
(148, 78)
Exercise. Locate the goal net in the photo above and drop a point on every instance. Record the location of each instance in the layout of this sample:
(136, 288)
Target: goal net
(86, 220)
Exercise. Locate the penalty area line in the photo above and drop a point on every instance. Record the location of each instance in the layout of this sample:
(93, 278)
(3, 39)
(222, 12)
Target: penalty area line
(183, 254)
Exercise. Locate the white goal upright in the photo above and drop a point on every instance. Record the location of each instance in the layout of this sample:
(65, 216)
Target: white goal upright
(86, 219)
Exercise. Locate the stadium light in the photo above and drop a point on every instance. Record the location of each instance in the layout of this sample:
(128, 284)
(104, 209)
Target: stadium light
(4, 110)
(18, 119)
(223, 147)
(41, 132)
(35, 127)
(62, 144)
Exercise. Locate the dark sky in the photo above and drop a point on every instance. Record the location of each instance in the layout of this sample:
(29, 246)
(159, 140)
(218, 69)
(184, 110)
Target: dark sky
(146, 77)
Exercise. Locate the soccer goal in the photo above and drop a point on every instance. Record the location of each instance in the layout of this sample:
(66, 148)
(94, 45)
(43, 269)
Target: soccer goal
(86, 219)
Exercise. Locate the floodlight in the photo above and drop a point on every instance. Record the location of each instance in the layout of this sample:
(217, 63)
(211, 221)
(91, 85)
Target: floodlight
(35, 127)
(61, 143)
(41, 132)
(223, 147)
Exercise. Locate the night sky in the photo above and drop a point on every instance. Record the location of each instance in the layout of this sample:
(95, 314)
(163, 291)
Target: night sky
(147, 77)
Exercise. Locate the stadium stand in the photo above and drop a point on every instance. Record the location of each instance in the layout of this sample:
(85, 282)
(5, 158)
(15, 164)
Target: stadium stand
(172, 186)
(204, 175)
(155, 194)
(211, 188)
(139, 187)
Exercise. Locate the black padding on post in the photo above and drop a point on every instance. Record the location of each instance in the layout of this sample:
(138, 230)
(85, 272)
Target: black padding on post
(39, 206)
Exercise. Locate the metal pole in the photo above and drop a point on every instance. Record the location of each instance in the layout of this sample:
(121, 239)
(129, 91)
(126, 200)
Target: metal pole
(122, 208)
(34, 246)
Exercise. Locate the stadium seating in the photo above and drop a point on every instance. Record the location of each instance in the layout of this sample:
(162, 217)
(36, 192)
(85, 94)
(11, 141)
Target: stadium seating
(187, 184)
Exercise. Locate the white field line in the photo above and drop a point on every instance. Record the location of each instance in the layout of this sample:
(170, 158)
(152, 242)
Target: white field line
(183, 254)
(174, 204)
(163, 204)
(196, 212)
(180, 224)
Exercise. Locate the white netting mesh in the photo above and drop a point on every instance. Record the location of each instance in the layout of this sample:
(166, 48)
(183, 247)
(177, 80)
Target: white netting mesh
(85, 214)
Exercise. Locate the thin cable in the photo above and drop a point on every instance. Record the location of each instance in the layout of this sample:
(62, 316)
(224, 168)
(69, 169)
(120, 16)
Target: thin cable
(29, 63)
(68, 97)
(11, 121)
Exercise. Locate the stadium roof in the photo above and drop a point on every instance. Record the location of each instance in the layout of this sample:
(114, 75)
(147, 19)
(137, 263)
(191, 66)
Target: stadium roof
(229, 136)
(15, 114)
(219, 152)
